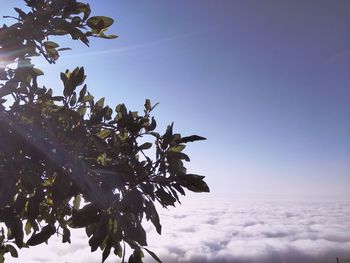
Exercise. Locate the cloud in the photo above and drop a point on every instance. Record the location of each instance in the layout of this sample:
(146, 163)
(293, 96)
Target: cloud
(222, 231)
(255, 232)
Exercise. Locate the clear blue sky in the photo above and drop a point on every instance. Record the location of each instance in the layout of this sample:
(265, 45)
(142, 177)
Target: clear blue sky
(267, 82)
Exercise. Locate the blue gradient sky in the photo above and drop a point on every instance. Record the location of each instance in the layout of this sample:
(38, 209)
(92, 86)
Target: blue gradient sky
(267, 82)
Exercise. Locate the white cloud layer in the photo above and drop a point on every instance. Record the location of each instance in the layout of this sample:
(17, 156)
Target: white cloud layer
(239, 231)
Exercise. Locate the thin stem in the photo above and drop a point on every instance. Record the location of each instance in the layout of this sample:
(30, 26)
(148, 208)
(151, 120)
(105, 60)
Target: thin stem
(16, 18)
(123, 260)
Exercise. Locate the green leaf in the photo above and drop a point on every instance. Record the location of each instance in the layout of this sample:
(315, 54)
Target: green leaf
(37, 72)
(100, 103)
(76, 202)
(12, 251)
(109, 36)
(177, 148)
(76, 20)
(99, 22)
(52, 52)
(81, 110)
(85, 8)
(88, 98)
(148, 105)
(28, 227)
(50, 44)
(104, 134)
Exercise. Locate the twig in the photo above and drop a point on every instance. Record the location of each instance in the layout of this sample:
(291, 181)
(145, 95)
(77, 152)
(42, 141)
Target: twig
(123, 260)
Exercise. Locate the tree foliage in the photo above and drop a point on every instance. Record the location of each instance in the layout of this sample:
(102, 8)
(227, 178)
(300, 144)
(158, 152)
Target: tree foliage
(57, 151)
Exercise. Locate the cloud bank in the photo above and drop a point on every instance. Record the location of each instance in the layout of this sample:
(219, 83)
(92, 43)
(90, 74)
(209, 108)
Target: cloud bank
(222, 232)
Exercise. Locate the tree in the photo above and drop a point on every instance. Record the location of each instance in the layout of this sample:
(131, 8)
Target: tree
(58, 150)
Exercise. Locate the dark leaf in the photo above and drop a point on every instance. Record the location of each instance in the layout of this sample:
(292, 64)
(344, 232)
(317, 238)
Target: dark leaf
(178, 155)
(179, 189)
(191, 139)
(100, 233)
(41, 237)
(12, 250)
(66, 235)
(99, 143)
(118, 250)
(137, 255)
(89, 214)
(57, 98)
(145, 146)
(18, 232)
(165, 198)
(152, 126)
(194, 183)
(82, 93)
(79, 76)
(153, 255)
(107, 250)
(152, 214)
(22, 14)
(64, 49)
(73, 99)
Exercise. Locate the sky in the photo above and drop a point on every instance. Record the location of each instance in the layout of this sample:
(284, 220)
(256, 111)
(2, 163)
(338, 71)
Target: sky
(266, 82)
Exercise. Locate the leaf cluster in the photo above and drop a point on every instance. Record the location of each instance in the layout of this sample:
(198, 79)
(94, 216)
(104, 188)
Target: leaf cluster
(70, 161)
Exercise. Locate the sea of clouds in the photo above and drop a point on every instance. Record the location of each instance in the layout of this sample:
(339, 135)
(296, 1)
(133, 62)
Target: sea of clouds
(221, 231)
